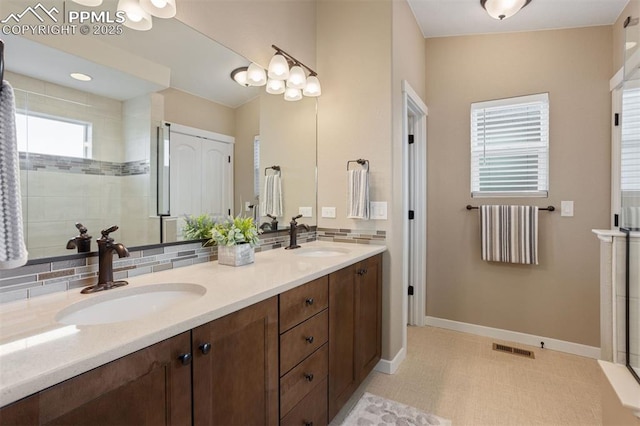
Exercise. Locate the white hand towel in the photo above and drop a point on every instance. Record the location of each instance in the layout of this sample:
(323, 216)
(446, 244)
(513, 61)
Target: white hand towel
(13, 252)
(358, 194)
(272, 202)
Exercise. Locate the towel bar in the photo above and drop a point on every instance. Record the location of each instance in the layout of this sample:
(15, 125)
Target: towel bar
(275, 168)
(549, 208)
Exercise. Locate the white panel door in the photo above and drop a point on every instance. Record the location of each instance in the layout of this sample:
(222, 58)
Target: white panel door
(185, 175)
(216, 178)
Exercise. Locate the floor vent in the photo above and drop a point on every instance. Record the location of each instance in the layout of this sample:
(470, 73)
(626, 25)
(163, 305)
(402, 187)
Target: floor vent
(515, 351)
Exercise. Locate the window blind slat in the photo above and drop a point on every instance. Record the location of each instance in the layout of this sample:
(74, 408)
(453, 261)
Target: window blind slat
(630, 144)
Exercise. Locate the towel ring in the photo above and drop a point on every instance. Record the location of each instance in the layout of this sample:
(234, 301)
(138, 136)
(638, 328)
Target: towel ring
(276, 169)
(362, 162)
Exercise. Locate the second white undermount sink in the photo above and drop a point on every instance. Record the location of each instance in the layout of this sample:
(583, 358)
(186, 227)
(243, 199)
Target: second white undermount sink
(129, 303)
(321, 252)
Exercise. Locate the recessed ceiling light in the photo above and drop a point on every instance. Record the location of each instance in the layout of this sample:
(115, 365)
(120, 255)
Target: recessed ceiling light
(80, 76)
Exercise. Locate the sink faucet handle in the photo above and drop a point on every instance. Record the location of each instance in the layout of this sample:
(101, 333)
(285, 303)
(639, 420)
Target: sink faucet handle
(296, 217)
(105, 232)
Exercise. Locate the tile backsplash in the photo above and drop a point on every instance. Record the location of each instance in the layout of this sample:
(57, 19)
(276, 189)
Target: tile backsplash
(69, 274)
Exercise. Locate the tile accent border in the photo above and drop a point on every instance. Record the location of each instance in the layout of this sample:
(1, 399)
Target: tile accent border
(85, 166)
(69, 274)
(357, 236)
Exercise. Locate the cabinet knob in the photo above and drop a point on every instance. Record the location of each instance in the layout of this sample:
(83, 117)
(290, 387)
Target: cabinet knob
(309, 301)
(185, 359)
(308, 376)
(308, 423)
(360, 272)
(309, 339)
(205, 348)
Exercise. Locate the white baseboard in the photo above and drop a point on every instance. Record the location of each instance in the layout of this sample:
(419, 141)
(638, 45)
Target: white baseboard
(390, 367)
(514, 336)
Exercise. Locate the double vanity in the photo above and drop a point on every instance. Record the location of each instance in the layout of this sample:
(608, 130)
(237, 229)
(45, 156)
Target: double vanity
(286, 340)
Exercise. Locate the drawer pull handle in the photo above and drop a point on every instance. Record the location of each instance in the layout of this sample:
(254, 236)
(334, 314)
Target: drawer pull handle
(361, 272)
(309, 301)
(309, 339)
(309, 377)
(308, 423)
(205, 348)
(185, 359)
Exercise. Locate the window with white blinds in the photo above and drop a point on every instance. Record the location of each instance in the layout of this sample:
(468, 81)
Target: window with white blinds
(510, 147)
(630, 141)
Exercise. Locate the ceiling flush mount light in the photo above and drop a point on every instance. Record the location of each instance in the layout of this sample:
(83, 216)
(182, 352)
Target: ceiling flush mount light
(137, 18)
(160, 8)
(501, 9)
(80, 76)
(90, 3)
(239, 75)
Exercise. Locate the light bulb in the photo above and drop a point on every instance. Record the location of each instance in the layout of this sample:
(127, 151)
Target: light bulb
(297, 78)
(256, 75)
(275, 87)
(159, 3)
(292, 94)
(278, 67)
(312, 88)
(137, 18)
(160, 8)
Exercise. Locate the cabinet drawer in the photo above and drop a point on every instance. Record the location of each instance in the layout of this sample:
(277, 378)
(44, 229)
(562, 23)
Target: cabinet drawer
(303, 378)
(303, 302)
(302, 340)
(312, 410)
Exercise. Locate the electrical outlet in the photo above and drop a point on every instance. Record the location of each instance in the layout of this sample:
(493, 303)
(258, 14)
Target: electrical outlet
(329, 212)
(305, 211)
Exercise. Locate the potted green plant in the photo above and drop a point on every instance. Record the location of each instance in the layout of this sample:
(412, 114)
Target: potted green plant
(198, 227)
(236, 239)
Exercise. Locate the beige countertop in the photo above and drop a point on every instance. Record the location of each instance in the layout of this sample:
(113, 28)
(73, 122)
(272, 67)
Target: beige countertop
(37, 352)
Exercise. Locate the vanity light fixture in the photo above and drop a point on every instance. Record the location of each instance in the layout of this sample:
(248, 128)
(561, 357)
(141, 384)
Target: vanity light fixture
(501, 9)
(256, 76)
(278, 67)
(160, 8)
(239, 75)
(292, 94)
(275, 87)
(80, 76)
(297, 78)
(312, 88)
(137, 17)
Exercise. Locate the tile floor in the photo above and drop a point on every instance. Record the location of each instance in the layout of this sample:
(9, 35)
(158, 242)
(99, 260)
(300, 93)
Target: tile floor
(460, 377)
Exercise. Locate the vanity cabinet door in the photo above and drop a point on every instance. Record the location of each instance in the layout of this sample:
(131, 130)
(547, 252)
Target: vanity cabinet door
(355, 326)
(151, 386)
(235, 368)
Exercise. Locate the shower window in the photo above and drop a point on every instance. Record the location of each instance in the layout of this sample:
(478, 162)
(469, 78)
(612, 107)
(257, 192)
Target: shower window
(45, 134)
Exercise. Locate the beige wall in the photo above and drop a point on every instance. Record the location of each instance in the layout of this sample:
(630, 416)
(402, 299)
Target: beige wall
(247, 127)
(189, 110)
(560, 297)
(250, 27)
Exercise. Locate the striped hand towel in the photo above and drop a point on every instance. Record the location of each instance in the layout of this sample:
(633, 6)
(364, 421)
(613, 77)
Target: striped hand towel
(13, 252)
(358, 194)
(509, 234)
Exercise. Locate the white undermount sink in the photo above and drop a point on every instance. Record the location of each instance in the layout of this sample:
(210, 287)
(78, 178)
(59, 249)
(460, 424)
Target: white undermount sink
(321, 252)
(129, 303)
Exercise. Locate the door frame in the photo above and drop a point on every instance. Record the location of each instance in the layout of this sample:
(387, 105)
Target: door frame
(414, 106)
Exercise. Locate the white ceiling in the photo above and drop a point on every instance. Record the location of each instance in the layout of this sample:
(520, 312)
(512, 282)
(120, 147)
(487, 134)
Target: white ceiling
(442, 18)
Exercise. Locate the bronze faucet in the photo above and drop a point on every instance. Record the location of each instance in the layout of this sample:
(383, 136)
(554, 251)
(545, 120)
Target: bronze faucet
(293, 232)
(106, 247)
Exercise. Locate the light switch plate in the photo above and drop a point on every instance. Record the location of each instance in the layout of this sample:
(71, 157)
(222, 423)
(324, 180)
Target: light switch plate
(378, 210)
(305, 211)
(247, 205)
(329, 212)
(566, 208)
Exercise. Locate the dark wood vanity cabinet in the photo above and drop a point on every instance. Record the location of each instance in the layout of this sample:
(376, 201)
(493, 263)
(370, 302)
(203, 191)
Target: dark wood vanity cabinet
(355, 324)
(235, 368)
(151, 386)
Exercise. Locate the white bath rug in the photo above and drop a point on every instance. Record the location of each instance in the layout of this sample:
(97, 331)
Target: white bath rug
(373, 410)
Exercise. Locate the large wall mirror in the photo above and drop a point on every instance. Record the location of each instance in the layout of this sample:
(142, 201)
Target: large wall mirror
(89, 149)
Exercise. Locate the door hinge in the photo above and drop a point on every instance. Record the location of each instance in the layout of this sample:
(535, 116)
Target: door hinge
(616, 119)
(410, 290)
(410, 139)
(229, 212)
(615, 220)
(412, 215)
(229, 158)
